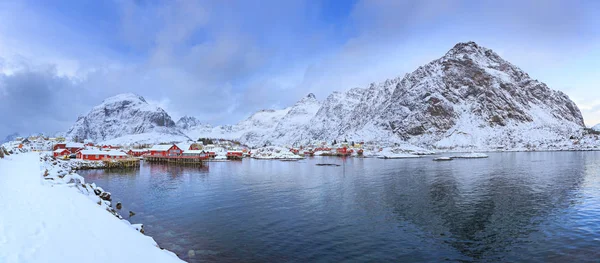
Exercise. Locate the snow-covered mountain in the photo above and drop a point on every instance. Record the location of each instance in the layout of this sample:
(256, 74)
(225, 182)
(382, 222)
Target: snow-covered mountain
(127, 116)
(274, 127)
(257, 128)
(469, 98)
(189, 122)
(596, 128)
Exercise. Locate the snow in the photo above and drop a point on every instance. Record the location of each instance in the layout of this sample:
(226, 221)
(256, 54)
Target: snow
(273, 152)
(124, 115)
(55, 222)
(116, 153)
(596, 128)
(471, 156)
(161, 147)
(469, 99)
(74, 145)
(194, 152)
(145, 138)
(93, 152)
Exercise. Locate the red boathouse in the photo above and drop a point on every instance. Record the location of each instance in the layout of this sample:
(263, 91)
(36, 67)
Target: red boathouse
(165, 150)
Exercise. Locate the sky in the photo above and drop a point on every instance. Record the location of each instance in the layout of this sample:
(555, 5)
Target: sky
(220, 61)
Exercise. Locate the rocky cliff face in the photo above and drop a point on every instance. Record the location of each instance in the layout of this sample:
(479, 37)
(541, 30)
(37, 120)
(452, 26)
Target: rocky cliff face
(189, 122)
(121, 115)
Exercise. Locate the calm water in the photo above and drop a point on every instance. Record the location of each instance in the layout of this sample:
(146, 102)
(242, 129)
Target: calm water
(542, 207)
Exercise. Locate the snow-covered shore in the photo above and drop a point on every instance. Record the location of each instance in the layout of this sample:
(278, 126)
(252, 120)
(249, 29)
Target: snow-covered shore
(54, 220)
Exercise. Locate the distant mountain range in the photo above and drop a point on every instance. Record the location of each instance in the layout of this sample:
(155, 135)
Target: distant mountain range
(470, 98)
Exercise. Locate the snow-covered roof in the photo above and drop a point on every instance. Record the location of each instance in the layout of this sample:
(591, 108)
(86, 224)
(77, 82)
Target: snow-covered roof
(60, 150)
(75, 145)
(161, 147)
(236, 151)
(116, 153)
(183, 146)
(138, 150)
(93, 152)
(193, 152)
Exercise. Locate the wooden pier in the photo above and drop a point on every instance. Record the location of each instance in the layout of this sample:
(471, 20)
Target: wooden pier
(122, 163)
(180, 160)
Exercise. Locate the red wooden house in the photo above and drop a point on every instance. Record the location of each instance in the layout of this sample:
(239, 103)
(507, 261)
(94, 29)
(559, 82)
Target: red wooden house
(59, 146)
(235, 154)
(74, 146)
(115, 154)
(165, 150)
(343, 151)
(60, 152)
(137, 152)
(92, 155)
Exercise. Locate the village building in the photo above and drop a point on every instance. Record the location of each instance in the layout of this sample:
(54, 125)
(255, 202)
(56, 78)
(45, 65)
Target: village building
(115, 154)
(61, 152)
(59, 146)
(184, 146)
(235, 154)
(165, 150)
(74, 146)
(209, 147)
(92, 155)
(196, 146)
(40, 145)
(137, 152)
(195, 153)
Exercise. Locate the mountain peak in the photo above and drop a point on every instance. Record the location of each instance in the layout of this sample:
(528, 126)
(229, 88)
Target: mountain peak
(470, 50)
(124, 97)
(187, 122)
(311, 96)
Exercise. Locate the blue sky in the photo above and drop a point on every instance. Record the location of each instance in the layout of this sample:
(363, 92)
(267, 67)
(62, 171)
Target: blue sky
(222, 60)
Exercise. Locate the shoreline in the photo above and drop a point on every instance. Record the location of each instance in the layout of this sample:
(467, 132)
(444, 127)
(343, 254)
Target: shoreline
(70, 219)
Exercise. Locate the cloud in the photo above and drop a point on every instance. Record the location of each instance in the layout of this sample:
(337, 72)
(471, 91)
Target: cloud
(223, 60)
(37, 99)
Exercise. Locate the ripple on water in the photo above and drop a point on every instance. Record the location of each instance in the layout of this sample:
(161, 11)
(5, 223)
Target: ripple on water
(510, 207)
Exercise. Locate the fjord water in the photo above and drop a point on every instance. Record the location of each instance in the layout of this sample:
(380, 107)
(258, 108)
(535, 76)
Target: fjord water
(534, 207)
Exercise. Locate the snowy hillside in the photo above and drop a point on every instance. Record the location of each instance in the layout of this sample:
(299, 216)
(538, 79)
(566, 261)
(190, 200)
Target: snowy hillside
(256, 128)
(596, 128)
(189, 122)
(275, 127)
(121, 115)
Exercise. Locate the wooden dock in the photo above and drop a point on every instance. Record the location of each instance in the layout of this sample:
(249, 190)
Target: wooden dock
(121, 163)
(180, 160)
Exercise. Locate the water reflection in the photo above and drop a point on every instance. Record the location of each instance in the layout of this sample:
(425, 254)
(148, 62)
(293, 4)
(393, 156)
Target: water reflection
(509, 207)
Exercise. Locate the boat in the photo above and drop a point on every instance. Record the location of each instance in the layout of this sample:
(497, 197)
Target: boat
(440, 159)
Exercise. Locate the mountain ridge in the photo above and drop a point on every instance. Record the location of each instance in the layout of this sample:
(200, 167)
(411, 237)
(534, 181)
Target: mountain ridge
(468, 98)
